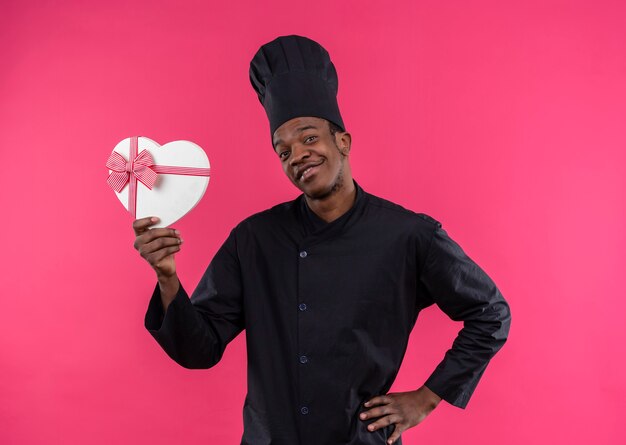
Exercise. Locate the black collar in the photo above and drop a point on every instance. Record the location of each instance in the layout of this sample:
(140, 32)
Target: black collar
(316, 229)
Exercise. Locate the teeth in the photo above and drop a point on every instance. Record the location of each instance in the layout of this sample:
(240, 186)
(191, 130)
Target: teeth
(304, 173)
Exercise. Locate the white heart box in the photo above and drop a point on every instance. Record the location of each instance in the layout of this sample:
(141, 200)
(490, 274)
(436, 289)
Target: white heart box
(173, 195)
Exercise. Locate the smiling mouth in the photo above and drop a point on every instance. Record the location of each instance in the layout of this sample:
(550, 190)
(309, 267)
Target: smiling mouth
(307, 172)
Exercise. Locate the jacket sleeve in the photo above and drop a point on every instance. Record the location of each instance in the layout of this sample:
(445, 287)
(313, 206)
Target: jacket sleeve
(194, 332)
(465, 293)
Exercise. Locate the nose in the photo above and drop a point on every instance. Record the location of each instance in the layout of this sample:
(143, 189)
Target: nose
(299, 153)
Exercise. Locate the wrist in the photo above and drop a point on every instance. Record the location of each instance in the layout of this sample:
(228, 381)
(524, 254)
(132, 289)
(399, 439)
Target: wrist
(168, 286)
(166, 278)
(168, 283)
(429, 397)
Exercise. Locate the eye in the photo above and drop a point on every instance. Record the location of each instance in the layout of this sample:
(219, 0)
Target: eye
(283, 154)
(309, 139)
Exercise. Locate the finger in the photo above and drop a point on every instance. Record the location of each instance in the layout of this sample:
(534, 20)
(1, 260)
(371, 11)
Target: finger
(397, 431)
(152, 234)
(376, 412)
(157, 244)
(378, 400)
(163, 253)
(383, 422)
(140, 225)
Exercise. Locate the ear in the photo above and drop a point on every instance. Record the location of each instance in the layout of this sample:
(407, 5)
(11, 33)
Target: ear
(344, 142)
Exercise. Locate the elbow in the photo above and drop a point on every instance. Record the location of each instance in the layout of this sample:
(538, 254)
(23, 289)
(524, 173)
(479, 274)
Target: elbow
(199, 362)
(492, 327)
(196, 364)
(501, 322)
(505, 314)
(203, 356)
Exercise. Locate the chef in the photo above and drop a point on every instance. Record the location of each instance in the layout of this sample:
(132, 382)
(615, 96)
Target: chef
(327, 287)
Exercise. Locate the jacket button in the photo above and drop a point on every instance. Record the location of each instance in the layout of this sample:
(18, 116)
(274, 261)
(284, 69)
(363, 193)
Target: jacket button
(304, 410)
(304, 359)
(302, 307)
(303, 254)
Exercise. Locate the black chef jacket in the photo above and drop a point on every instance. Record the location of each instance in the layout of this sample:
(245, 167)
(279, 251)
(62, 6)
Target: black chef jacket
(328, 309)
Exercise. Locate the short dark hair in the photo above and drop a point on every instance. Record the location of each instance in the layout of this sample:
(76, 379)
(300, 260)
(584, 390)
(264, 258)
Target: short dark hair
(333, 128)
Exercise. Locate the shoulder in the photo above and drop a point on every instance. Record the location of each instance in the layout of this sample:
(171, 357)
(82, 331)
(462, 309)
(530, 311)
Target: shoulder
(436, 224)
(400, 214)
(395, 223)
(279, 214)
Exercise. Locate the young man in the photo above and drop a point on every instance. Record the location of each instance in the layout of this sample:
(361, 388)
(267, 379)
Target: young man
(327, 287)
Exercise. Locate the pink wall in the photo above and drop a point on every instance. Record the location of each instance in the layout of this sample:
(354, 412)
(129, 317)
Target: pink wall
(504, 120)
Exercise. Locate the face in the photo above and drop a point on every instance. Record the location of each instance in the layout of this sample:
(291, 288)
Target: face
(315, 161)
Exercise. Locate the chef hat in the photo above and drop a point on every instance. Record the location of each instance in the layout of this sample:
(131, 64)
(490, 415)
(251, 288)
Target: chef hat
(294, 77)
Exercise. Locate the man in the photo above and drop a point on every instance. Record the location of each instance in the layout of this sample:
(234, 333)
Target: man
(327, 287)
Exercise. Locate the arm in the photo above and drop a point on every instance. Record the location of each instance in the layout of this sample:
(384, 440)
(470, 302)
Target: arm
(465, 293)
(195, 331)
(157, 247)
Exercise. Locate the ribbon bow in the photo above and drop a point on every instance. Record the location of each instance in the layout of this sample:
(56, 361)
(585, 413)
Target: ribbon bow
(139, 167)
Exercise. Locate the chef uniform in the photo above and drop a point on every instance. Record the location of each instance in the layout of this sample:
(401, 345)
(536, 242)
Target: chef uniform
(328, 308)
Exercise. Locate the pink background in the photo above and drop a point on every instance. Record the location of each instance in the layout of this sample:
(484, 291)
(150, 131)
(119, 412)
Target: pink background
(503, 120)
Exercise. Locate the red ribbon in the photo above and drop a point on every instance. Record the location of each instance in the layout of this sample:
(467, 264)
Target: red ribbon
(141, 168)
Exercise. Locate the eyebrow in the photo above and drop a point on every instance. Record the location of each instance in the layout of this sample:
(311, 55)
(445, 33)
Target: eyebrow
(299, 130)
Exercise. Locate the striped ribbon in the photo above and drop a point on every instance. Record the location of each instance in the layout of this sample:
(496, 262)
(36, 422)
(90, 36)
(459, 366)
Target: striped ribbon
(141, 168)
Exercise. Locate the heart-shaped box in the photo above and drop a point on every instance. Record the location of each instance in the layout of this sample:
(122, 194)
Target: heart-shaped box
(166, 181)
